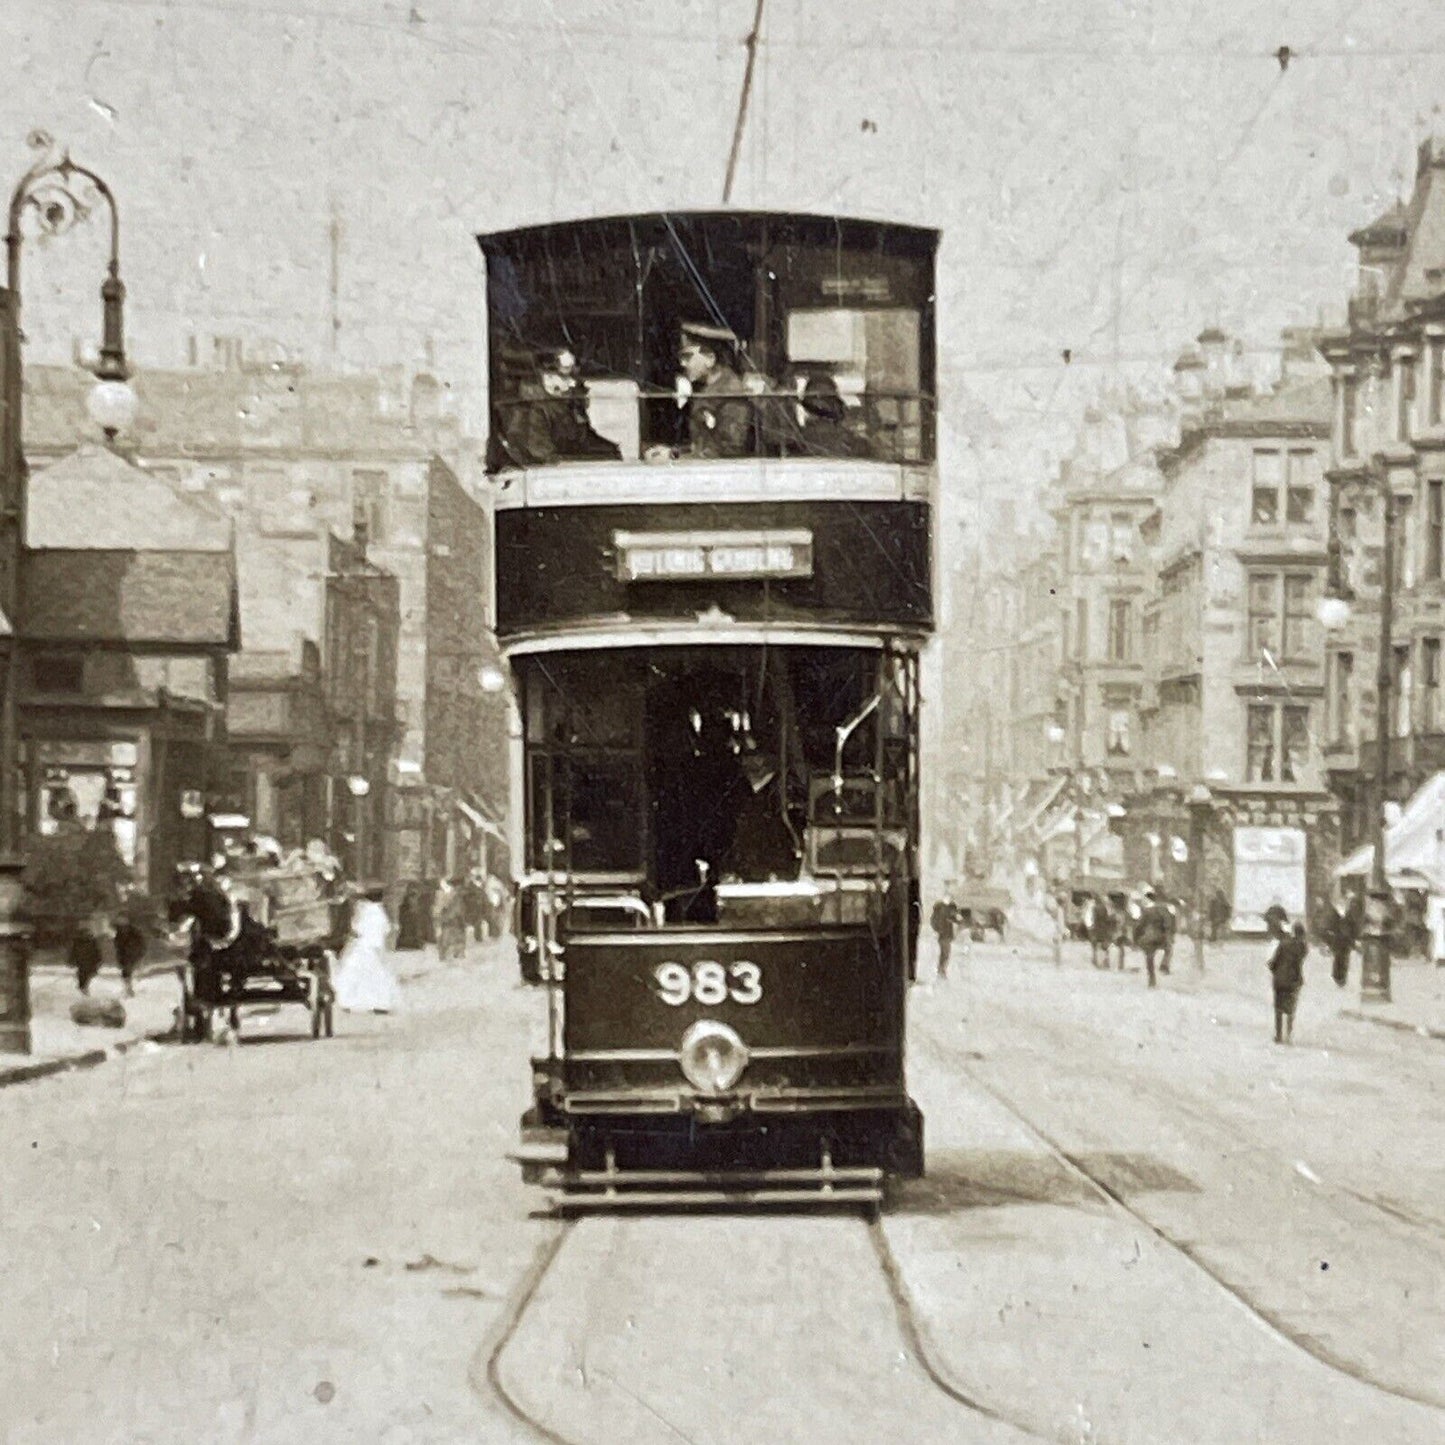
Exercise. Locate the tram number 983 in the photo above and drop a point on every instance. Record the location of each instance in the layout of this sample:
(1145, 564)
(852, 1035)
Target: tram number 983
(708, 982)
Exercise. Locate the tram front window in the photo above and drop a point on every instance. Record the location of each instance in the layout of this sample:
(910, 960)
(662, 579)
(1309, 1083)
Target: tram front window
(684, 769)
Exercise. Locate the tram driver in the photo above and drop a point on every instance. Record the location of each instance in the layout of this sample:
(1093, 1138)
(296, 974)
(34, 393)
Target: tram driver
(719, 409)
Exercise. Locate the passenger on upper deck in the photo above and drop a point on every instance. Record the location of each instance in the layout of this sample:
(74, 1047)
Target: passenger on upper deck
(824, 432)
(548, 421)
(719, 416)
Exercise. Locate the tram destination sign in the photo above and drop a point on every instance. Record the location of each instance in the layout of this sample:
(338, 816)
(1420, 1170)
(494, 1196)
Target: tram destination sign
(680, 556)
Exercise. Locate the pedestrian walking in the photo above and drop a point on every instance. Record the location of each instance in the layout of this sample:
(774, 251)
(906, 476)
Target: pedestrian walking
(130, 947)
(1219, 914)
(1286, 968)
(1338, 935)
(1153, 933)
(474, 905)
(1099, 925)
(410, 932)
(943, 920)
(364, 983)
(85, 954)
(449, 921)
(495, 892)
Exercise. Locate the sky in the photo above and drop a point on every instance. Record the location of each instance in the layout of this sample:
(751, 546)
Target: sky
(1109, 175)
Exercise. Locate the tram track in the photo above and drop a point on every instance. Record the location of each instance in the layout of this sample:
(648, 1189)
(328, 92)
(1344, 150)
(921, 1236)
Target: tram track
(1270, 1319)
(487, 1375)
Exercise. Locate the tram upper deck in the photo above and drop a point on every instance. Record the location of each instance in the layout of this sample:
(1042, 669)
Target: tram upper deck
(689, 396)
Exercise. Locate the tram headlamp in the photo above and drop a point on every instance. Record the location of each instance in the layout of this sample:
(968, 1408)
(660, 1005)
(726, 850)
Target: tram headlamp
(712, 1057)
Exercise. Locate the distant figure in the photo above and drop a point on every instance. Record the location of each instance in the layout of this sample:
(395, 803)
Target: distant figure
(1101, 928)
(1219, 915)
(130, 947)
(449, 920)
(943, 920)
(1338, 935)
(1276, 920)
(494, 891)
(1153, 934)
(1286, 968)
(364, 983)
(84, 954)
(410, 932)
(474, 905)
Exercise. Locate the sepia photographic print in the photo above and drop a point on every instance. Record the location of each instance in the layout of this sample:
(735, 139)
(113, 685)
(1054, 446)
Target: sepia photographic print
(721, 722)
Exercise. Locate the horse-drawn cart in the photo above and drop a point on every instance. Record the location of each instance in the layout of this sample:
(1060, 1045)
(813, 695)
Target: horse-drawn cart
(260, 934)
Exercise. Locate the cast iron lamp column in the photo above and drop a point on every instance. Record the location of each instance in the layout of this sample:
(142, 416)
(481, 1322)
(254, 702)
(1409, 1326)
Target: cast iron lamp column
(59, 194)
(1201, 803)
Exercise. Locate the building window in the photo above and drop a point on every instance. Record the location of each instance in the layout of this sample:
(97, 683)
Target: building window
(57, 673)
(1403, 566)
(1118, 744)
(1294, 743)
(1437, 380)
(1404, 395)
(1349, 524)
(1342, 717)
(368, 504)
(1081, 629)
(1349, 401)
(1400, 703)
(1300, 487)
(1299, 614)
(1259, 759)
(1263, 613)
(1264, 506)
(1435, 538)
(1277, 743)
(1429, 684)
(1121, 537)
(1119, 610)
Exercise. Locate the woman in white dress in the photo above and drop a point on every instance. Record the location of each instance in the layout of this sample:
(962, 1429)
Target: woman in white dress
(364, 984)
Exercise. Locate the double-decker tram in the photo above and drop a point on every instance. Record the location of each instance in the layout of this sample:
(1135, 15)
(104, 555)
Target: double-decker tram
(712, 445)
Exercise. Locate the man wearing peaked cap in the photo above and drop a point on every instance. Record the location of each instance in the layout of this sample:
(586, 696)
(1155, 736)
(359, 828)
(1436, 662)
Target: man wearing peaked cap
(719, 418)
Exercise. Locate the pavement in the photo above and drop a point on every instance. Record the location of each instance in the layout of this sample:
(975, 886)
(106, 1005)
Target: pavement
(59, 1044)
(1237, 965)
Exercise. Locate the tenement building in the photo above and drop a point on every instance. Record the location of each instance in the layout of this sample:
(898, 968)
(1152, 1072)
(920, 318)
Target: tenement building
(295, 458)
(1388, 445)
(1236, 696)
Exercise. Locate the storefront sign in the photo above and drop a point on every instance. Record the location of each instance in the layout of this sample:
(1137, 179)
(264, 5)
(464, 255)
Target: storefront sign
(1269, 868)
(684, 556)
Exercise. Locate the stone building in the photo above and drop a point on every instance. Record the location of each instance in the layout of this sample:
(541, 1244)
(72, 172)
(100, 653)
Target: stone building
(131, 612)
(1235, 662)
(294, 457)
(1389, 431)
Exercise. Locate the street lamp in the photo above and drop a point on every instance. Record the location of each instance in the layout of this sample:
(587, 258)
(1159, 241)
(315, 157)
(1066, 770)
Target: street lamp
(1334, 613)
(1200, 803)
(57, 194)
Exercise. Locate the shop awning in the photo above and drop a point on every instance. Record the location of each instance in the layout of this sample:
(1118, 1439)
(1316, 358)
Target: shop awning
(1036, 807)
(1414, 845)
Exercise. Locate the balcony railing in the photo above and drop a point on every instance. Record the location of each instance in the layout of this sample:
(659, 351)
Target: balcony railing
(627, 424)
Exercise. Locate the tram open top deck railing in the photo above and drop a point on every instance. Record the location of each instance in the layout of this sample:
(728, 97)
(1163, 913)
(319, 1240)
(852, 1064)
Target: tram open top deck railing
(625, 424)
